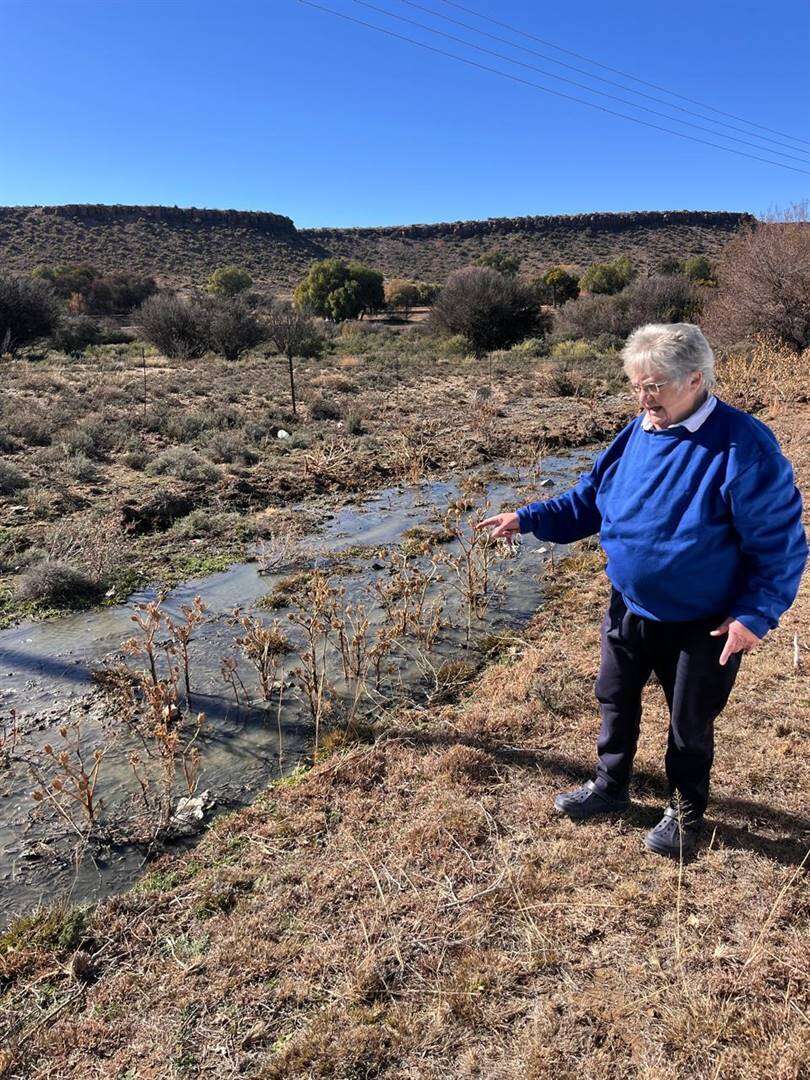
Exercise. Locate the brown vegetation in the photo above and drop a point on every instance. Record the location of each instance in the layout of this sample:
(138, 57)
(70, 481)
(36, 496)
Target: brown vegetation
(121, 446)
(764, 283)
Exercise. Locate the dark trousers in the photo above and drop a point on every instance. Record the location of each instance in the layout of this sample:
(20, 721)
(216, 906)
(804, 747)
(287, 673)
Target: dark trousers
(686, 660)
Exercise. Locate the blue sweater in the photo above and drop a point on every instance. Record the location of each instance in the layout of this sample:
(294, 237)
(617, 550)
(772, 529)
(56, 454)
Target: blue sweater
(693, 523)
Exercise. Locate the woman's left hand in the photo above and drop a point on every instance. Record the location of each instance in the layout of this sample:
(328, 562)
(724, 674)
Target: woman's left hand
(740, 638)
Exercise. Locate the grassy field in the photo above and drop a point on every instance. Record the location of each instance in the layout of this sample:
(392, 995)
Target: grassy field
(410, 906)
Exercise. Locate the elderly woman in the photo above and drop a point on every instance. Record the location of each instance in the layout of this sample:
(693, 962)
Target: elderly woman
(700, 519)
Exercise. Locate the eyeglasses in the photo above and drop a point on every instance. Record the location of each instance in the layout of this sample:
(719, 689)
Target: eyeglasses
(653, 388)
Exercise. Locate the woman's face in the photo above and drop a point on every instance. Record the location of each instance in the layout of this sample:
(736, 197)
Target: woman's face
(665, 400)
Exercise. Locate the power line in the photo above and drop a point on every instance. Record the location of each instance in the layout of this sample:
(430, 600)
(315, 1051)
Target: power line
(580, 85)
(598, 78)
(547, 89)
(618, 71)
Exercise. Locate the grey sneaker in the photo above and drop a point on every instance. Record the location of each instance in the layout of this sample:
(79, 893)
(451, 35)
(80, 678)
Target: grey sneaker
(674, 836)
(588, 801)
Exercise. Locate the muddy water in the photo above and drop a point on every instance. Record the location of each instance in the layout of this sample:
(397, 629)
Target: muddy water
(46, 677)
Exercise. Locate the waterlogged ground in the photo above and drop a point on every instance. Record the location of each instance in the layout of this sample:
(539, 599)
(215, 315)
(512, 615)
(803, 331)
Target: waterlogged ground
(46, 677)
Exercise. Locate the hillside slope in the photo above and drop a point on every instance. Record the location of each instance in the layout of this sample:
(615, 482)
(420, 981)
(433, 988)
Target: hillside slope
(183, 246)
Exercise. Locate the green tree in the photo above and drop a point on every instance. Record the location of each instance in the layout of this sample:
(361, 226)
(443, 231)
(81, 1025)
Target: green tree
(699, 270)
(334, 289)
(428, 291)
(86, 289)
(500, 261)
(668, 265)
(608, 278)
(228, 281)
(561, 284)
(68, 279)
(371, 291)
(401, 295)
(119, 293)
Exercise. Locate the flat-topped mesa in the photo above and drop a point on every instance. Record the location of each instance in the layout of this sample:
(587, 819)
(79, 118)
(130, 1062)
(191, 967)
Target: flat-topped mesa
(183, 246)
(573, 223)
(258, 220)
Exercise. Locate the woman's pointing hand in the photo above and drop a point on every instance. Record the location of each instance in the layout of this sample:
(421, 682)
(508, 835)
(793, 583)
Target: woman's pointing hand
(502, 525)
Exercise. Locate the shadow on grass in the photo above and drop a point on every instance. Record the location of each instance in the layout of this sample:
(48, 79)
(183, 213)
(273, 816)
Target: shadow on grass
(789, 850)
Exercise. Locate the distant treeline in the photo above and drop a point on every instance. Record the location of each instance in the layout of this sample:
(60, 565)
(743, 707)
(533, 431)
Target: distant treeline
(579, 223)
(278, 224)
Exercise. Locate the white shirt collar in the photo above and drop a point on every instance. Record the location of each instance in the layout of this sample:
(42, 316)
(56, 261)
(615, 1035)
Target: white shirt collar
(691, 422)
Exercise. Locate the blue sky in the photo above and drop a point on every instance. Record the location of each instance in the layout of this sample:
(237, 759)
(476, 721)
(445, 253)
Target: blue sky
(272, 105)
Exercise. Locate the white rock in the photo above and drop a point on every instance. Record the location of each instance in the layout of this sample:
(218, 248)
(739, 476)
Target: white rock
(190, 810)
(282, 434)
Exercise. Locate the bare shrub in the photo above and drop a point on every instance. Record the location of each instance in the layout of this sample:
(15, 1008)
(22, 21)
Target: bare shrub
(183, 463)
(11, 479)
(413, 449)
(177, 327)
(660, 298)
(489, 309)
(31, 427)
(314, 616)
(321, 408)
(472, 565)
(74, 334)
(764, 283)
(94, 544)
(79, 467)
(181, 634)
(354, 423)
(232, 328)
(294, 334)
(94, 436)
(152, 707)
(50, 582)
(263, 647)
(331, 462)
(28, 310)
(590, 316)
(230, 448)
(71, 777)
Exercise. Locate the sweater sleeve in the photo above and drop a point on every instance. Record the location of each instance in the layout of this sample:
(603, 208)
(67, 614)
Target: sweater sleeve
(574, 514)
(569, 517)
(767, 513)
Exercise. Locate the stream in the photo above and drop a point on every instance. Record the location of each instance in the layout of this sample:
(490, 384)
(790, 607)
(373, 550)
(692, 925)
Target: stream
(46, 678)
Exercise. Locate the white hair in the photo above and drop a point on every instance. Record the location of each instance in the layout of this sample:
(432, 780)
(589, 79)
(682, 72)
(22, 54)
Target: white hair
(674, 350)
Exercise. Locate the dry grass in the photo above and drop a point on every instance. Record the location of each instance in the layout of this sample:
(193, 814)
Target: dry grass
(107, 438)
(414, 908)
